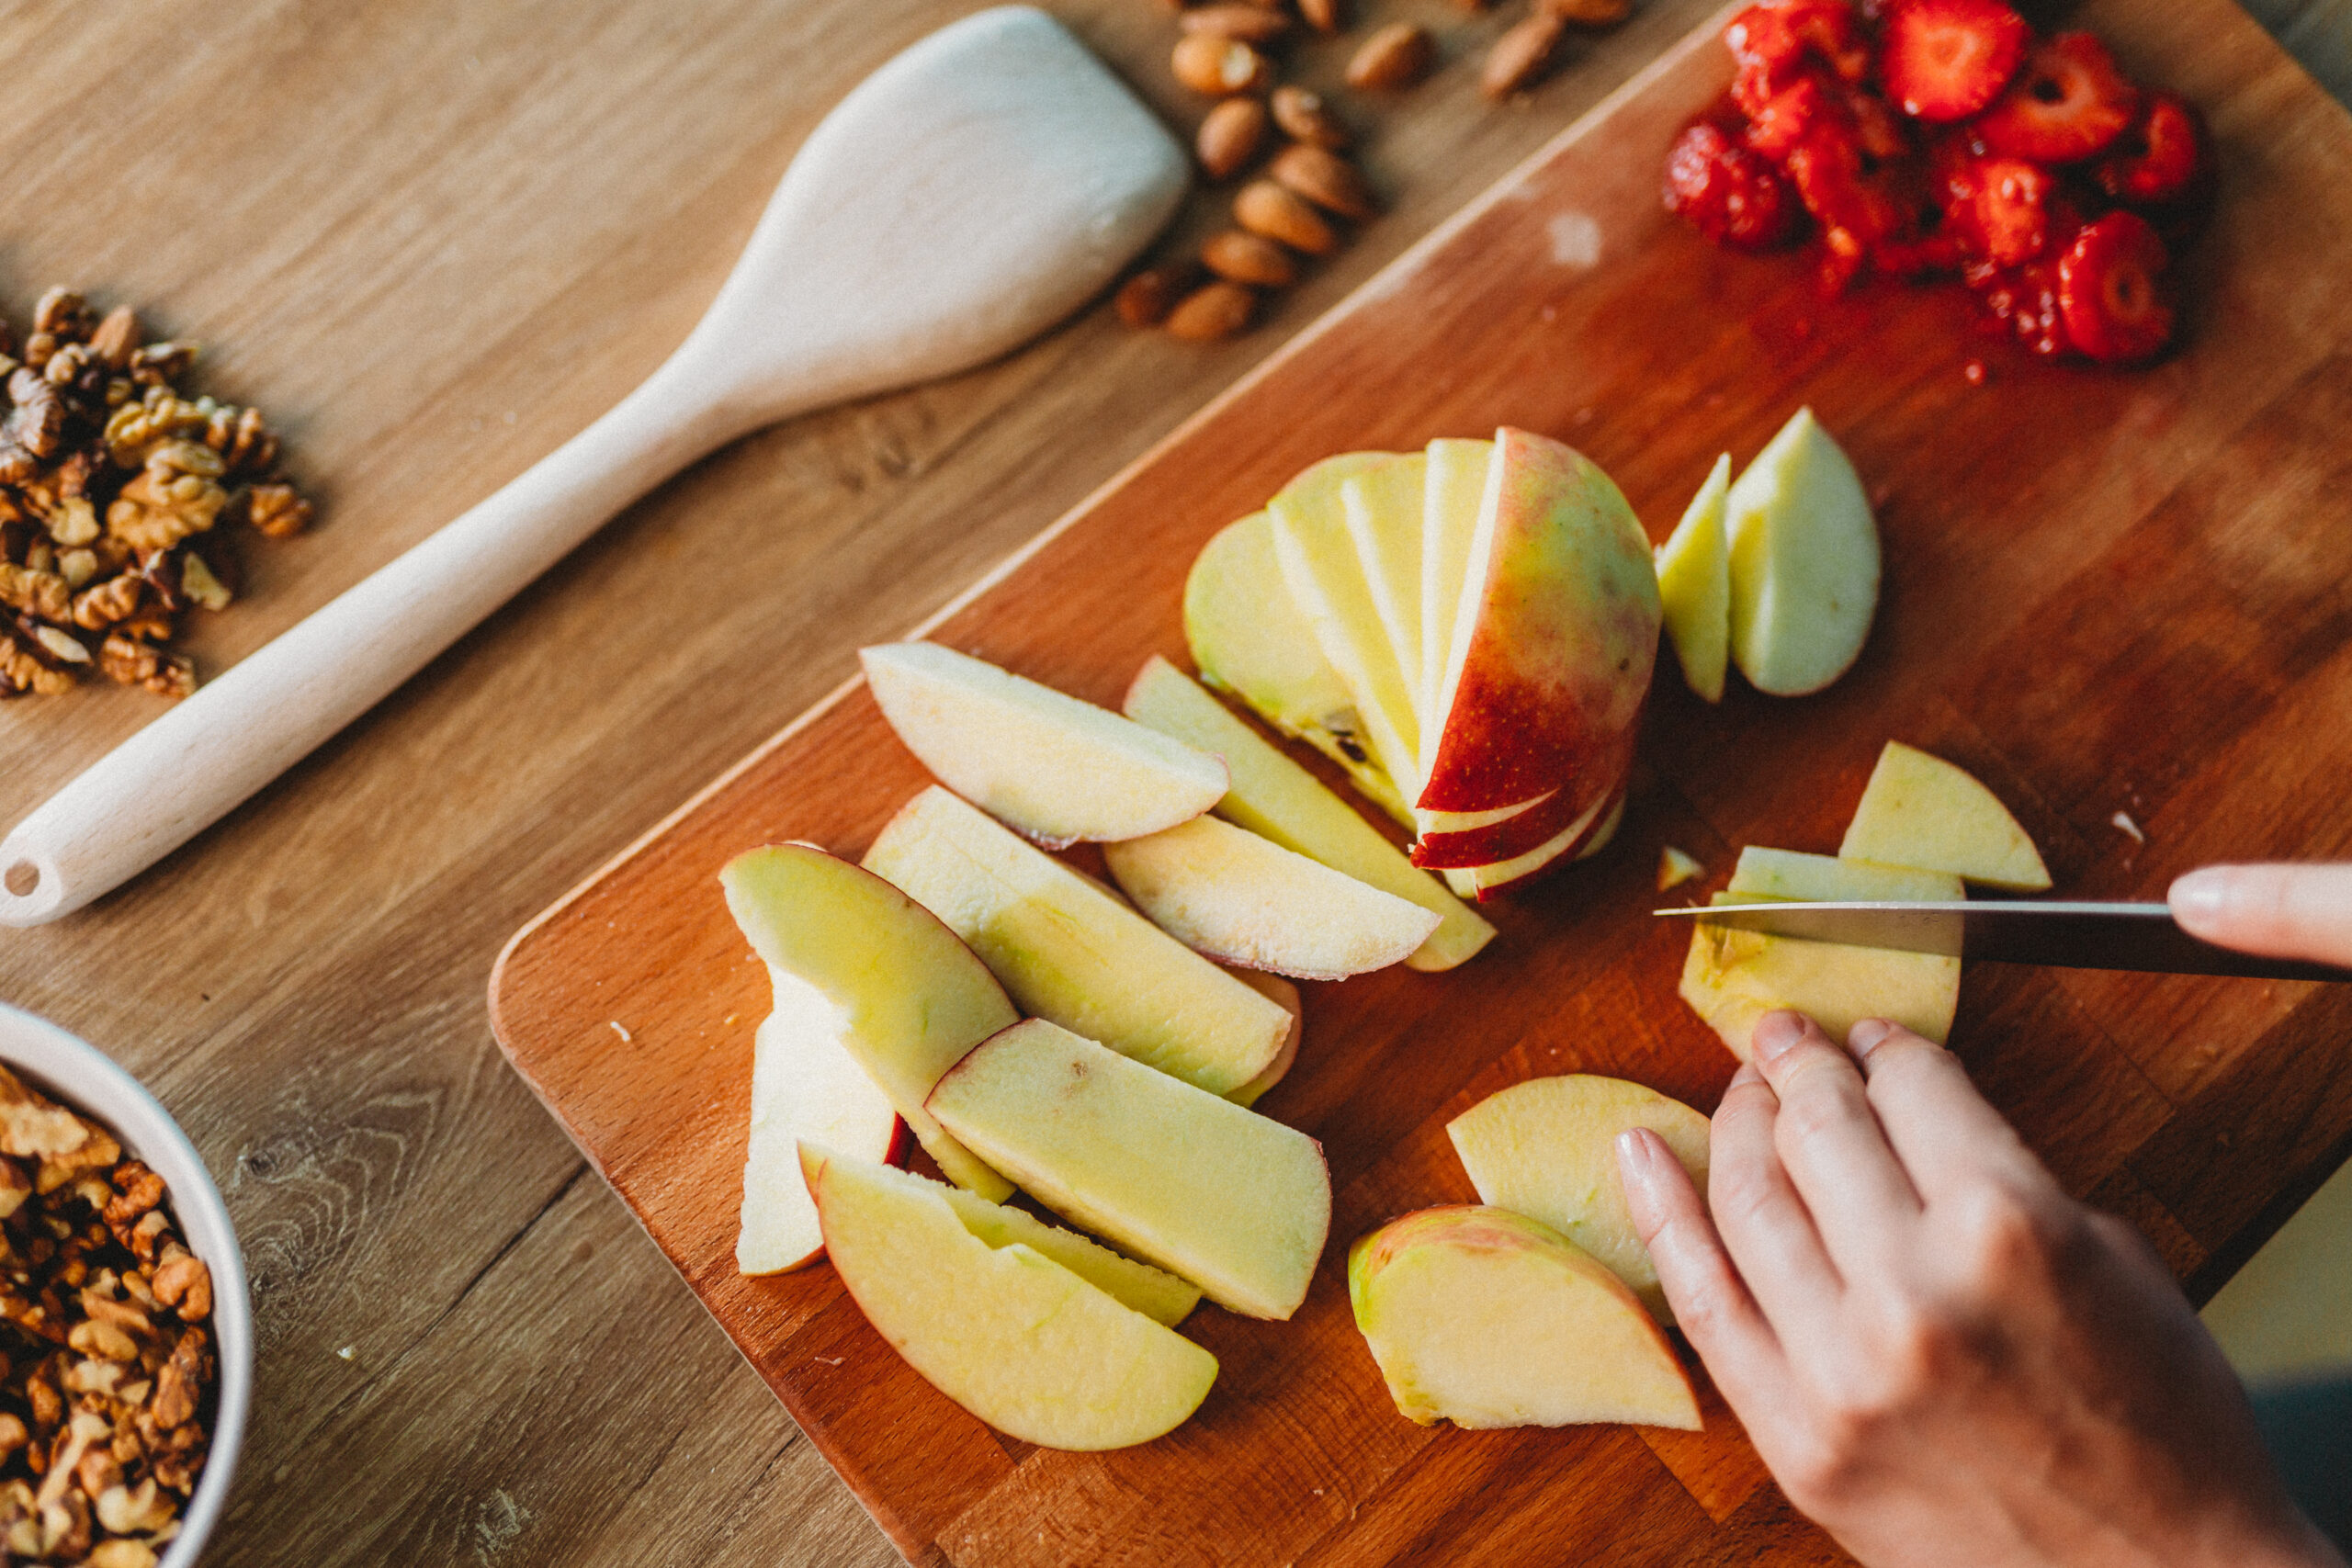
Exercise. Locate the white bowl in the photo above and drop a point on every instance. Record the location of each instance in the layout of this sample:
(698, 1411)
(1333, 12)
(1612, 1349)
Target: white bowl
(56, 1063)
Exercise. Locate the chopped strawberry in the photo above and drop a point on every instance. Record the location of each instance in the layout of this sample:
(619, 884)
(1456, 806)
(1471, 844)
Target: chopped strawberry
(2024, 301)
(1777, 42)
(1802, 109)
(2068, 101)
(1999, 209)
(2115, 309)
(1858, 211)
(2159, 158)
(1734, 196)
(1915, 258)
(1944, 60)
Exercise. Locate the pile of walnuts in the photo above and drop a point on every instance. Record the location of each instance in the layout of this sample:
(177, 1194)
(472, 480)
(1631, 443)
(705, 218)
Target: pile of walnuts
(112, 487)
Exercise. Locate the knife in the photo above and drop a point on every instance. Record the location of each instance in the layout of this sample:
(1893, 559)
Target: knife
(2067, 935)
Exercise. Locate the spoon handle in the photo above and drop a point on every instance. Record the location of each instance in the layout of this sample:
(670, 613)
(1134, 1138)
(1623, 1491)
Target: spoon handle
(211, 749)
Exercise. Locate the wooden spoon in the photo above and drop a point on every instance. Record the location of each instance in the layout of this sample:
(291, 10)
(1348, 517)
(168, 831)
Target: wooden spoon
(972, 192)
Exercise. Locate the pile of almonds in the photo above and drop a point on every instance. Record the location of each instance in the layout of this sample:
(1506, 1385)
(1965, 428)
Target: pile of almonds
(1294, 205)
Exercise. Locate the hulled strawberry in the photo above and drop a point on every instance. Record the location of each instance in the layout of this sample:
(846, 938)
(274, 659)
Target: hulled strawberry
(1945, 60)
(1733, 195)
(2158, 159)
(2067, 102)
(2110, 291)
(2006, 211)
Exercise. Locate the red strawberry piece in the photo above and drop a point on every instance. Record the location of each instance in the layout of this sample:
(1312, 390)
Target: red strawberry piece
(2025, 301)
(1732, 195)
(1999, 209)
(2115, 309)
(2068, 101)
(1915, 258)
(2159, 158)
(1944, 60)
(1776, 43)
(1795, 113)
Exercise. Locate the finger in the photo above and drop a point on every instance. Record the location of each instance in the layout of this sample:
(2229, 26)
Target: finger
(1711, 1303)
(2286, 911)
(1765, 1226)
(1829, 1142)
(1947, 1136)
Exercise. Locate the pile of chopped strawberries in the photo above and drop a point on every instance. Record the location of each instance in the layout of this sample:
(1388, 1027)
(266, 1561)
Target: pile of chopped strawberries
(1931, 137)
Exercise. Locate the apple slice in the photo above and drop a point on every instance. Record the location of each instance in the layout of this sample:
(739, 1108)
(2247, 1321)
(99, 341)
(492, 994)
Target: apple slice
(1382, 508)
(1547, 1148)
(1585, 836)
(1694, 585)
(1554, 638)
(1524, 829)
(805, 1084)
(1237, 1204)
(1485, 1318)
(1249, 637)
(1056, 768)
(1456, 483)
(1732, 977)
(1226, 893)
(911, 998)
(1154, 1292)
(1676, 868)
(1276, 797)
(1920, 810)
(1017, 1338)
(1282, 992)
(1069, 950)
(1805, 562)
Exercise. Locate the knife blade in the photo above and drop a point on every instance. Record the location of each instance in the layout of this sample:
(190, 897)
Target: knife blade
(2140, 936)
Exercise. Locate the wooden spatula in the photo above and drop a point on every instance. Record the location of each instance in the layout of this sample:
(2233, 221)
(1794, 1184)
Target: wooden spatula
(969, 194)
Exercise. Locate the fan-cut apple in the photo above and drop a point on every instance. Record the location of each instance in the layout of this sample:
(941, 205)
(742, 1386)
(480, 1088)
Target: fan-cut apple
(1694, 586)
(1226, 893)
(1249, 637)
(912, 999)
(1487, 1318)
(1455, 485)
(1041, 760)
(1585, 836)
(1069, 950)
(1237, 1204)
(1805, 562)
(1547, 1148)
(1276, 797)
(1921, 810)
(1382, 508)
(1019, 1340)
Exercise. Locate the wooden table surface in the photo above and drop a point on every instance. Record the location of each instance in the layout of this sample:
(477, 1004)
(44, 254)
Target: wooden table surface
(432, 239)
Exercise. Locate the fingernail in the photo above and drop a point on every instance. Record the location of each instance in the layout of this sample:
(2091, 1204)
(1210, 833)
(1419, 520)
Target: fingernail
(1776, 1031)
(1635, 1157)
(1868, 1035)
(2200, 896)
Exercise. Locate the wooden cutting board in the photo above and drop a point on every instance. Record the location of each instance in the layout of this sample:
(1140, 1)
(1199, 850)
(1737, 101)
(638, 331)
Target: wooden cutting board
(2123, 600)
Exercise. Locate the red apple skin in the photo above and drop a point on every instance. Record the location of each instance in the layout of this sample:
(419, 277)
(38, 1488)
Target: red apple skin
(1564, 643)
(1516, 835)
(1573, 849)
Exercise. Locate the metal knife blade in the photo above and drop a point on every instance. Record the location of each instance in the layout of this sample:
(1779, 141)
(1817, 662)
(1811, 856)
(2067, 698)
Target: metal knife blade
(2066, 935)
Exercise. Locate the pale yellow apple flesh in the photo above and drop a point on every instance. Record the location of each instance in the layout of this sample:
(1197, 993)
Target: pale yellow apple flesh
(1920, 810)
(1237, 1204)
(1274, 796)
(1581, 840)
(1547, 1148)
(1248, 638)
(1485, 1318)
(1231, 895)
(1154, 1292)
(1833, 879)
(1676, 868)
(1069, 950)
(912, 998)
(1732, 979)
(1382, 508)
(1456, 482)
(1017, 1338)
(1278, 989)
(805, 1085)
(1694, 585)
(1040, 761)
(1805, 562)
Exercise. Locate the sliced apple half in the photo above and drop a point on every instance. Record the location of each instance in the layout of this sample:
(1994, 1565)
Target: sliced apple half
(1228, 894)
(1382, 508)
(1805, 562)
(1547, 1148)
(1154, 1292)
(1921, 810)
(1069, 950)
(1694, 585)
(1487, 1318)
(1248, 638)
(911, 998)
(1554, 638)
(1455, 484)
(1237, 1204)
(805, 1085)
(1276, 797)
(1037, 760)
(1018, 1339)
(1277, 989)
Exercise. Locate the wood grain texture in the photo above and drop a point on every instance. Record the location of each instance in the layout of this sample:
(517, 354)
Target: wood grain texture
(2105, 592)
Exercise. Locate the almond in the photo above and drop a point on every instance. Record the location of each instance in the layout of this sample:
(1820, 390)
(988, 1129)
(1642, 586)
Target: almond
(1248, 258)
(1144, 299)
(1230, 136)
(1264, 208)
(1219, 67)
(1304, 116)
(1211, 311)
(1520, 56)
(1395, 56)
(1250, 24)
(1323, 15)
(1590, 13)
(1324, 178)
